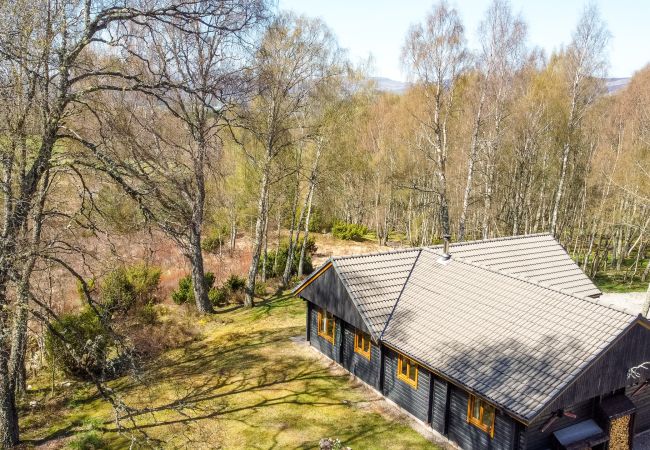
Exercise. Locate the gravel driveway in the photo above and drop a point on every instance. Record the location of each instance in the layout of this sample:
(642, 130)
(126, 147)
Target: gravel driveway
(629, 301)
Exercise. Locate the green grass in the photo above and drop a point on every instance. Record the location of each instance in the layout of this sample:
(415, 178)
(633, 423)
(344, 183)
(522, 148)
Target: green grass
(244, 384)
(614, 282)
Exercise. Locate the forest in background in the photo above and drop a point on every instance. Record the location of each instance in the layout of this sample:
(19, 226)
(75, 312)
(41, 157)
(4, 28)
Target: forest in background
(211, 124)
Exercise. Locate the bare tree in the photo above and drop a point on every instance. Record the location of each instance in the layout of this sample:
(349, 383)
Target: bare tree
(585, 60)
(296, 60)
(162, 139)
(48, 68)
(502, 37)
(435, 55)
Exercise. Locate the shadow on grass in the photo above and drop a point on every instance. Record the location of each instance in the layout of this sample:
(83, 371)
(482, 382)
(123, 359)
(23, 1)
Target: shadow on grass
(238, 380)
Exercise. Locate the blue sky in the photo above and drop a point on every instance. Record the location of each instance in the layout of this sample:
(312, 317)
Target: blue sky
(378, 27)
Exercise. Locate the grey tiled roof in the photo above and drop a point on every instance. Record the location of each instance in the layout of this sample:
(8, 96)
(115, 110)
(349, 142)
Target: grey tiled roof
(537, 257)
(512, 341)
(375, 281)
(508, 318)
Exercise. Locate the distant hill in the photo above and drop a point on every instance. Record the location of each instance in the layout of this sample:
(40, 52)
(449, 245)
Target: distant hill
(616, 84)
(384, 84)
(387, 85)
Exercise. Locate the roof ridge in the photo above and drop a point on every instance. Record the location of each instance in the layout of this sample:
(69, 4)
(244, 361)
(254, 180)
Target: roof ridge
(453, 244)
(494, 239)
(408, 277)
(381, 253)
(533, 282)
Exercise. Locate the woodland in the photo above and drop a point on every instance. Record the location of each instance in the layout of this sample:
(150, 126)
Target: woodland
(228, 129)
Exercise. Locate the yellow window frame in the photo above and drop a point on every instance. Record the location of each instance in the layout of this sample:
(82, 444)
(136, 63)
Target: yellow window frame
(361, 341)
(483, 407)
(323, 329)
(401, 362)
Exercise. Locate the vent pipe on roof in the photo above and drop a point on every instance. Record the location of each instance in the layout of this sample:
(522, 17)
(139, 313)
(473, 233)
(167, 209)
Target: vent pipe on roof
(446, 256)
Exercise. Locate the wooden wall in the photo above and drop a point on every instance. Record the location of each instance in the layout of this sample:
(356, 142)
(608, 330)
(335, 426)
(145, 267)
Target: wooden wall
(642, 402)
(357, 364)
(328, 292)
(609, 372)
(332, 351)
(415, 401)
(538, 440)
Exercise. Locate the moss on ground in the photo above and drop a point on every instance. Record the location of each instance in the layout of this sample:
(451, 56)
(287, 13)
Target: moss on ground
(244, 385)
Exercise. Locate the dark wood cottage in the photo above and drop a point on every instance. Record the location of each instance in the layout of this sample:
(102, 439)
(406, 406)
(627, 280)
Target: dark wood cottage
(497, 344)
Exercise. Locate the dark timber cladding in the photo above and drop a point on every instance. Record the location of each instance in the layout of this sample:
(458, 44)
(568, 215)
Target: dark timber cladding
(413, 399)
(330, 294)
(366, 369)
(470, 437)
(503, 361)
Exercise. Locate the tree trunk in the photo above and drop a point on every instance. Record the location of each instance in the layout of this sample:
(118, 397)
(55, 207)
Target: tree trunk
(265, 247)
(9, 437)
(305, 238)
(565, 158)
(19, 336)
(470, 169)
(277, 243)
(198, 273)
(9, 431)
(646, 304)
(292, 242)
(249, 300)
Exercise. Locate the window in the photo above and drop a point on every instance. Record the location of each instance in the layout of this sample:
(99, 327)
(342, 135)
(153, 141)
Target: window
(362, 343)
(407, 370)
(480, 414)
(326, 325)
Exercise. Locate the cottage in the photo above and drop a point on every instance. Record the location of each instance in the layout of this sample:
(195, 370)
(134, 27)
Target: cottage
(496, 344)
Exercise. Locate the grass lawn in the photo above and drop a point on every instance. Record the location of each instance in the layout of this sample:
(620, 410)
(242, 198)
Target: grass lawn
(243, 384)
(614, 282)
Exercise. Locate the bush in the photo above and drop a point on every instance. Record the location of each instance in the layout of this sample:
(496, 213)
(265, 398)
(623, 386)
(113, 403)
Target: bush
(317, 221)
(147, 314)
(235, 283)
(185, 291)
(218, 296)
(260, 289)
(85, 348)
(125, 287)
(283, 251)
(211, 244)
(117, 294)
(349, 231)
(145, 280)
(231, 291)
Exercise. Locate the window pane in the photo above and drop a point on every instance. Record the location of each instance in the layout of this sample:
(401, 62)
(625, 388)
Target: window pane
(403, 366)
(488, 414)
(366, 345)
(476, 408)
(411, 370)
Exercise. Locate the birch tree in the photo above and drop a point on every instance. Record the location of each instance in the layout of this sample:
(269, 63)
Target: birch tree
(296, 59)
(585, 61)
(435, 56)
(48, 68)
(162, 156)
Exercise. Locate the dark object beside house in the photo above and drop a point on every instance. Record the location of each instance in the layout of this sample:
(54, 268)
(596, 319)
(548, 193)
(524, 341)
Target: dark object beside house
(502, 345)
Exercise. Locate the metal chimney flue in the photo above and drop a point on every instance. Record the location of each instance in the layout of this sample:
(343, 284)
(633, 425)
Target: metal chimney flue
(446, 255)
